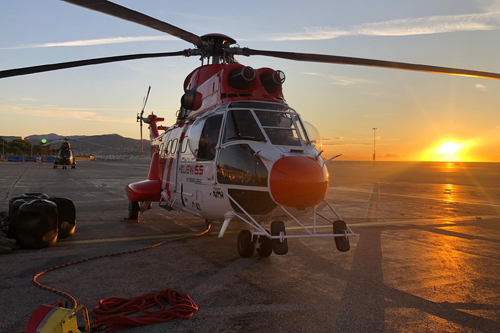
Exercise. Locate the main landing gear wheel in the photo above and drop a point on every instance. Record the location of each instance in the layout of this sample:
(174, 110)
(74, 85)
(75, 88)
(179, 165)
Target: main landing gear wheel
(264, 246)
(133, 210)
(342, 243)
(55, 167)
(73, 167)
(245, 244)
(280, 246)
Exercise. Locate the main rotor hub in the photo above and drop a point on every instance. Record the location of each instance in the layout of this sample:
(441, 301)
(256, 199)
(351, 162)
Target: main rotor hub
(215, 46)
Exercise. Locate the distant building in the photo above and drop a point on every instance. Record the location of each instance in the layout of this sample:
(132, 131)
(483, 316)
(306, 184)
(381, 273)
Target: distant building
(11, 138)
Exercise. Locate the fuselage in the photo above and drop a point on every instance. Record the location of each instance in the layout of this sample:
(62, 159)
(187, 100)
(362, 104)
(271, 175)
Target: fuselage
(243, 156)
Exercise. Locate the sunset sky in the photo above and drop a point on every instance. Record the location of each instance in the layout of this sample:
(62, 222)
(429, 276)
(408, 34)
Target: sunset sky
(418, 116)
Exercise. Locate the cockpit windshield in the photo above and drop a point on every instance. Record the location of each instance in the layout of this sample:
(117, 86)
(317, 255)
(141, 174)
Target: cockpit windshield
(279, 127)
(241, 125)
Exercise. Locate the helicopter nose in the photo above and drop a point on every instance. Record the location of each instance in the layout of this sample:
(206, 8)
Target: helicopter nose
(298, 181)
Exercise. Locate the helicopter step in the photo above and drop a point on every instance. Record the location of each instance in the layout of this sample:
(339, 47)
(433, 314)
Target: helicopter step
(276, 241)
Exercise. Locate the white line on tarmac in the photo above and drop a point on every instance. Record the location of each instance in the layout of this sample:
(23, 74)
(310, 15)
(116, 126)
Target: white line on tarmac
(416, 197)
(359, 225)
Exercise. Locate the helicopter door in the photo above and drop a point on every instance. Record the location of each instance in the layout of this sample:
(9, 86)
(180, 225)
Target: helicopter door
(170, 174)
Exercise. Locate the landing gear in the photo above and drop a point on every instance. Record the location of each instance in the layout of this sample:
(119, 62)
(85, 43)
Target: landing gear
(55, 166)
(245, 244)
(133, 210)
(342, 243)
(264, 246)
(73, 166)
(64, 167)
(280, 245)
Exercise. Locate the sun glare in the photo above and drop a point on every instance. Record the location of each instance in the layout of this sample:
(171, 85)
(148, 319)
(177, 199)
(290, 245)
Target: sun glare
(449, 148)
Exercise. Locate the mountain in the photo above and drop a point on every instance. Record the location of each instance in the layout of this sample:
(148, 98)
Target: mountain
(109, 144)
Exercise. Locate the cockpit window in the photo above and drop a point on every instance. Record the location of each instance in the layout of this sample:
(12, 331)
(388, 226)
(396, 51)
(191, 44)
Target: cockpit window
(279, 127)
(238, 165)
(204, 136)
(241, 125)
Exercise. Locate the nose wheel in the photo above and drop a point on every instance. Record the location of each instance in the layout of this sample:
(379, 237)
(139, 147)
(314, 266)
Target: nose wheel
(245, 244)
(342, 243)
(280, 245)
(264, 246)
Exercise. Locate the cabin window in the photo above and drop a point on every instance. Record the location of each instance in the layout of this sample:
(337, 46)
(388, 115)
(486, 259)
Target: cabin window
(204, 136)
(173, 148)
(241, 125)
(162, 152)
(184, 144)
(169, 146)
(237, 165)
(279, 127)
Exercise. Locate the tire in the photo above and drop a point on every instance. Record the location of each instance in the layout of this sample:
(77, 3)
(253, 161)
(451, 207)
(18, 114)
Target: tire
(29, 195)
(342, 243)
(245, 244)
(35, 195)
(66, 217)
(133, 210)
(36, 224)
(13, 211)
(280, 248)
(265, 248)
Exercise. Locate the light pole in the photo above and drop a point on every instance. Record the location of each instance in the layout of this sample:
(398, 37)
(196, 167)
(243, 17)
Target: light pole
(374, 129)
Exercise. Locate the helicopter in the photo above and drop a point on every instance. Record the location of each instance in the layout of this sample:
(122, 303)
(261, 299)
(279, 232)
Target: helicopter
(237, 149)
(65, 156)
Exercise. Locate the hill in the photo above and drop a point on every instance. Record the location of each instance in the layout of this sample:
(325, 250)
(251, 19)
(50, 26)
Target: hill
(108, 144)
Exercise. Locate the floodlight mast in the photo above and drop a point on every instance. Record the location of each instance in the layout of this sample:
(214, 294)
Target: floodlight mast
(374, 129)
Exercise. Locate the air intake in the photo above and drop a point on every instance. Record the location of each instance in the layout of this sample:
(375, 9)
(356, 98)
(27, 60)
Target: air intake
(272, 81)
(241, 78)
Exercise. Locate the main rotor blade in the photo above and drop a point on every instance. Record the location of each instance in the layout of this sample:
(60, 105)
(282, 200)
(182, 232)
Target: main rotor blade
(113, 9)
(79, 63)
(330, 59)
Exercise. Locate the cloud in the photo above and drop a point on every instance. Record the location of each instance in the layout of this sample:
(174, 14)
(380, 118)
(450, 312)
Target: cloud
(326, 138)
(480, 87)
(48, 111)
(390, 156)
(378, 114)
(339, 80)
(89, 42)
(401, 27)
(346, 144)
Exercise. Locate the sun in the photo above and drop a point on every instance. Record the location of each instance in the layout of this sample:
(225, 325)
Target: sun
(449, 148)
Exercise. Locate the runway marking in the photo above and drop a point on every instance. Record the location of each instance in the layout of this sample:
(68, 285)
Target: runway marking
(359, 225)
(416, 197)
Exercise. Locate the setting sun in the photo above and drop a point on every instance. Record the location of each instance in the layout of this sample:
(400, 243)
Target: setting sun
(449, 148)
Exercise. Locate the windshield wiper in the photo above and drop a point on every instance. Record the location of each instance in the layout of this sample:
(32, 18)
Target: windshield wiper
(244, 137)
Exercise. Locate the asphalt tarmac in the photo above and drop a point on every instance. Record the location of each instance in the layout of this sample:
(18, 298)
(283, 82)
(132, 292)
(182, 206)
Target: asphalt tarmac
(426, 256)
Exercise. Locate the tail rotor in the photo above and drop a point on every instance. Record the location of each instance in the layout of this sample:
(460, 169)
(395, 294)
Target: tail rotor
(140, 118)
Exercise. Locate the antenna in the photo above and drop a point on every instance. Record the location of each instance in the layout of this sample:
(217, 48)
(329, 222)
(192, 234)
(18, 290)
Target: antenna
(139, 117)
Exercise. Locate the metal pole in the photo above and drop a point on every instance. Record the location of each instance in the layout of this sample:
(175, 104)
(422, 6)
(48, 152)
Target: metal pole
(374, 129)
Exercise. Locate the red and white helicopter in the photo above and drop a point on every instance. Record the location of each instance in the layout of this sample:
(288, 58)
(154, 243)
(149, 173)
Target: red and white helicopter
(237, 150)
